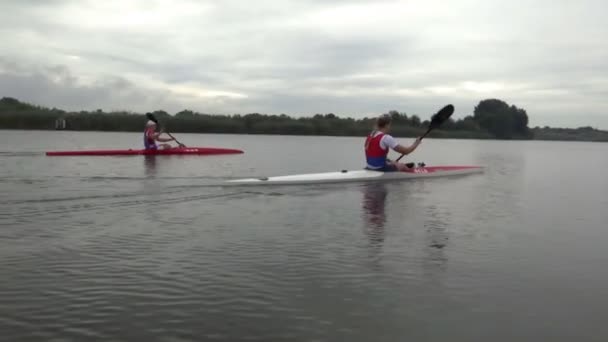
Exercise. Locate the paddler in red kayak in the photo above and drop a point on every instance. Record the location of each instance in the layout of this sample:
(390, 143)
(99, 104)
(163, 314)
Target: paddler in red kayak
(151, 136)
(378, 144)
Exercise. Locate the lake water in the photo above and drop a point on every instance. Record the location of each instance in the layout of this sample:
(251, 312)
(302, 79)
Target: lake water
(155, 249)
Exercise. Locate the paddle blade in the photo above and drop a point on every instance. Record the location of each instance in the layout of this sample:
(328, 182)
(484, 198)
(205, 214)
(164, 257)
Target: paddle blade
(438, 118)
(441, 116)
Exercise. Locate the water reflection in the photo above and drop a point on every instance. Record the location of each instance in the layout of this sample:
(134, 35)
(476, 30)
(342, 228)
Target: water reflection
(152, 188)
(430, 218)
(436, 235)
(374, 212)
(150, 165)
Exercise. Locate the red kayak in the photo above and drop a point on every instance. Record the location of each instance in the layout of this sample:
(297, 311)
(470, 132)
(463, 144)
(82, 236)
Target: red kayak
(171, 151)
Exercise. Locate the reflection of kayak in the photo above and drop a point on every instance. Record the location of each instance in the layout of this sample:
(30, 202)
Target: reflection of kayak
(171, 151)
(359, 176)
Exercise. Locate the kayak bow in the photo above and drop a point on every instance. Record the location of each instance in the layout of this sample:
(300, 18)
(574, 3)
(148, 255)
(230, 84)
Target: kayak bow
(170, 151)
(359, 176)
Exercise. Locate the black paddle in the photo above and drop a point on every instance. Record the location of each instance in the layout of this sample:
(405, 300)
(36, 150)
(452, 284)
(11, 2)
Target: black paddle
(153, 118)
(436, 120)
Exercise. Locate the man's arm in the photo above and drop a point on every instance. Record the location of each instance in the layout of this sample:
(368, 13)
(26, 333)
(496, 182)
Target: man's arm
(157, 137)
(407, 150)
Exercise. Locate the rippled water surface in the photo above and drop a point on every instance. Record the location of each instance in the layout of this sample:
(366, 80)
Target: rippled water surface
(155, 249)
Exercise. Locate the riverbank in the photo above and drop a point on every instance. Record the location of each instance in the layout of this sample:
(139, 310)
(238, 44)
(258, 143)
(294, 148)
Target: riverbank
(493, 119)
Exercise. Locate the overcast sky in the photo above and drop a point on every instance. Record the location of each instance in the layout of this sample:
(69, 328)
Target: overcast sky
(352, 58)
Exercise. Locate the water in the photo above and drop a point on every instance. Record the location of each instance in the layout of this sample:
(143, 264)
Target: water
(154, 249)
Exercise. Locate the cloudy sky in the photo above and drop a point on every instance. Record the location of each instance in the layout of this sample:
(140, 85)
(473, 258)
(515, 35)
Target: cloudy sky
(352, 58)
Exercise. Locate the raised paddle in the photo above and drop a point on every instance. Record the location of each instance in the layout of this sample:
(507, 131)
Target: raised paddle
(436, 120)
(153, 118)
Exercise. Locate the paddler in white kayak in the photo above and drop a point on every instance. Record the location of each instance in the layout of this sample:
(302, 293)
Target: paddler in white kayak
(151, 136)
(379, 143)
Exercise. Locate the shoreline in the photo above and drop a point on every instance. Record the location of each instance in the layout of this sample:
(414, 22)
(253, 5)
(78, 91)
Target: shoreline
(310, 135)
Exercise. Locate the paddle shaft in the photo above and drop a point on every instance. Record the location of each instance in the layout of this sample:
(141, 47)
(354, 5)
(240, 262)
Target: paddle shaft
(179, 143)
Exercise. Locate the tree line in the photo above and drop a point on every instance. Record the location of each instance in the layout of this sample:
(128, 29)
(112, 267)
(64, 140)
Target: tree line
(491, 119)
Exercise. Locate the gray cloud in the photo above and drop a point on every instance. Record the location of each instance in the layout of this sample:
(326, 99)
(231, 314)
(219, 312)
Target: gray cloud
(348, 57)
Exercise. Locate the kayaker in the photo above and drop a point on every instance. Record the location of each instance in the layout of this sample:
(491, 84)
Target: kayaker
(151, 136)
(379, 142)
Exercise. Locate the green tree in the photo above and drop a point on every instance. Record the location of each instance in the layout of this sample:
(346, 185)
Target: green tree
(501, 120)
(415, 121)
(185, 113)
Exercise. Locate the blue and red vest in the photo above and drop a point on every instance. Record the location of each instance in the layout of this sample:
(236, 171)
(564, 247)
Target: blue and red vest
(149, 142)
(374, 154)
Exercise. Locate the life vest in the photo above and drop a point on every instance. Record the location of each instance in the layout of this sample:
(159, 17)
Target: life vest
(374, 154)
(149, 142)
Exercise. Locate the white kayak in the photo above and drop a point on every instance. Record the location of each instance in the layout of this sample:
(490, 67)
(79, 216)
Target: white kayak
(359, 176)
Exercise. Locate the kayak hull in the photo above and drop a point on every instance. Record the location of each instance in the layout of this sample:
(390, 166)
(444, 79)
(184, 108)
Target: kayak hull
(360, 176)
(160, 152)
